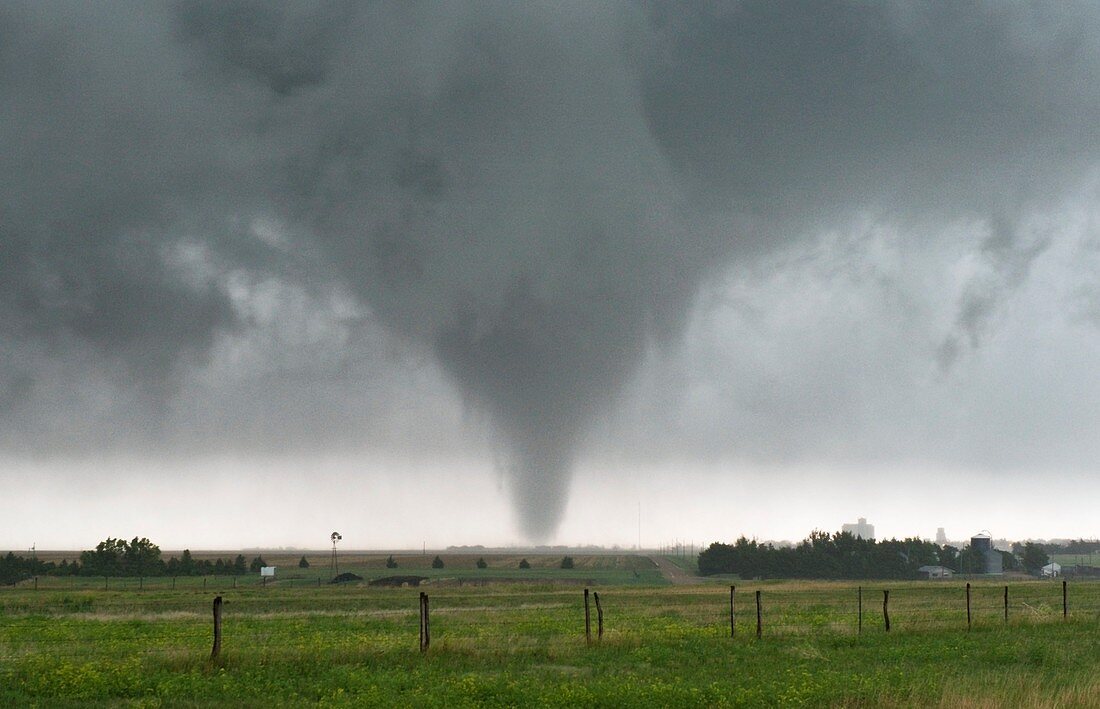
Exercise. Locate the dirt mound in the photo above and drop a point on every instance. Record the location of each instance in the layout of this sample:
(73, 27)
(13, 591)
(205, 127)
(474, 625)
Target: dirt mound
(346, 577)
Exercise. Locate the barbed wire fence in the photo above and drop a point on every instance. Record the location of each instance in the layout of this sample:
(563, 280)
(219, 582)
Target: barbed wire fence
(179, 627)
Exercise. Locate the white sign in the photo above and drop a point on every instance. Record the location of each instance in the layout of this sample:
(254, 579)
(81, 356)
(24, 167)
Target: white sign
(267, 571)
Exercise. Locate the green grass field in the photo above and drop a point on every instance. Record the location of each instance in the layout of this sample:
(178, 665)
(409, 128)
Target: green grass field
(523, 644)
(616, 569)
(1069, 560)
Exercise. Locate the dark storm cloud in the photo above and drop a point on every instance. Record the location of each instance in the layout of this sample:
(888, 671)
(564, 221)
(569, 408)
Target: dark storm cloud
(99, 170)
(791, 105)
(531, 194)
(285, 46)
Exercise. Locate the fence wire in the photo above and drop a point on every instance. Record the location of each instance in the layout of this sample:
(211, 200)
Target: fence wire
(89, 626)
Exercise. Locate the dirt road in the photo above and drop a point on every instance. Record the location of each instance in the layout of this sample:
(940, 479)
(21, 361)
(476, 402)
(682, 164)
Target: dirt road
(672, 572)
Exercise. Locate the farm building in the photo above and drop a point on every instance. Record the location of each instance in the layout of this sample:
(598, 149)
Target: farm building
(1051, 570)
(983, 544)
(937, 572)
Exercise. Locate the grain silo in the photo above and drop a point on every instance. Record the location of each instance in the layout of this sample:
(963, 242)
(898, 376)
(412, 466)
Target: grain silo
(982, 544)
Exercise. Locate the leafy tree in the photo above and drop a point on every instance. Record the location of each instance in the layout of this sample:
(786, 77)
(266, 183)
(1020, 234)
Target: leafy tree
(1034, 557)
(14, 569)
(824, 556)
(10, 572)
(437, 563)
(187, 564)
(523, 564)
(239, 565)
(257, 564)
(142, 558)
(117, 557)
(391, 563)
(106, 559)
(567, 562)
(1083, 546)
(303, 563)
(481, 564)
(949, 557)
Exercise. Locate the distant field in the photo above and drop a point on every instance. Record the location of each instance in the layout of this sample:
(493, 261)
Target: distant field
(508, 644)
(618, 569)
(1074, 559)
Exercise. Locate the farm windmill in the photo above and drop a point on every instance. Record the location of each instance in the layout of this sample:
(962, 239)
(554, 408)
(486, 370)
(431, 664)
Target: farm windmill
(335, 537)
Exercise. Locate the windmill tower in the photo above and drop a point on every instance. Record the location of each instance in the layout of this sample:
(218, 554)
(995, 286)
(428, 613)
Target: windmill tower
(335, 537)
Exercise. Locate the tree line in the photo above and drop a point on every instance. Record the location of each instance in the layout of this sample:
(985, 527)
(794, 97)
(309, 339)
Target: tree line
(1076, 546)
(840, 556)
(121, 558)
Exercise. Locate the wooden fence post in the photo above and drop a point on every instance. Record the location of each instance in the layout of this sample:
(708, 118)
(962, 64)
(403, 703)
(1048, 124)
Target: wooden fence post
(599, 616)
(104, 583)
(968, 621)
(859, 597)
(173, 583)
(141, 583)
(36, 582)
(425, 624)
(587, 620)
(759, 624)
(732, 612)
(1065, 602)
(217, 628)
(886, 609)
(1006, 604)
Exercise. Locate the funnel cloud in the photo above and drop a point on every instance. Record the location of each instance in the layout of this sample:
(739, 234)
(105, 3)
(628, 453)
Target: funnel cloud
(259, 213)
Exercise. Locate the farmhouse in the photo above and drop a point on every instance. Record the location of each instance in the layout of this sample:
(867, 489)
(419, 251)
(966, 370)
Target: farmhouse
(937, 572)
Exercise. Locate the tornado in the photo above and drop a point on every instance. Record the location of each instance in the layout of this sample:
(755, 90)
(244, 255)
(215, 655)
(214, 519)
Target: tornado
(529, 195)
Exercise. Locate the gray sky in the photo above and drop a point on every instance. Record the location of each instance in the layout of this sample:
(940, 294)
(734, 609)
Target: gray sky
(494, 272)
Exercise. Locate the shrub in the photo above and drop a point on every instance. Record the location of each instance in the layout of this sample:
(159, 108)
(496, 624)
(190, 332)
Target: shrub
(303, 564)
(523, 564)
(567, 562)
(437, 563)
(392, 564)
(481, 563)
